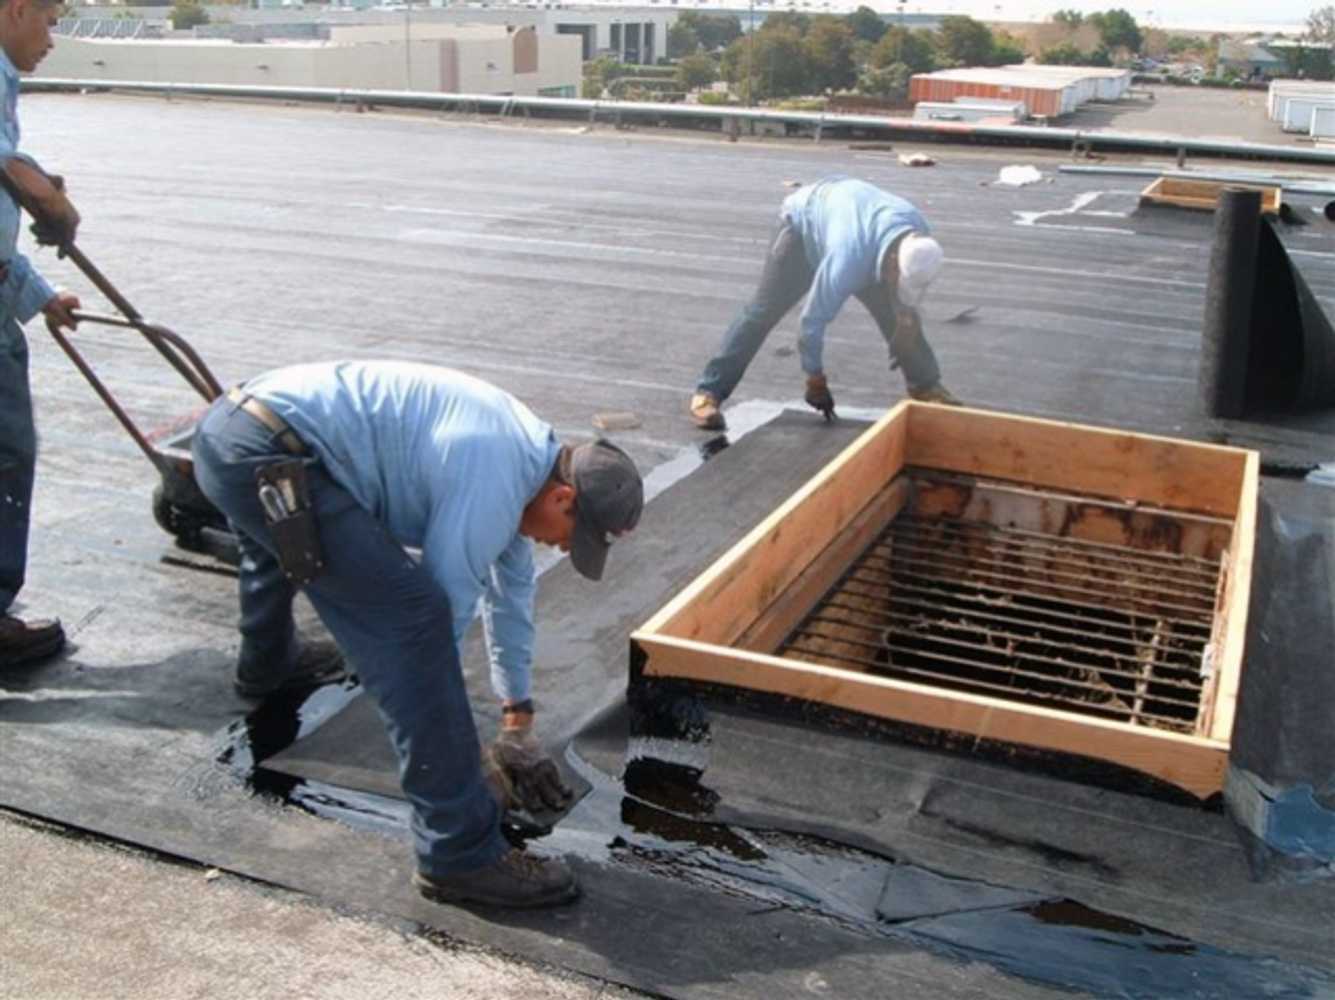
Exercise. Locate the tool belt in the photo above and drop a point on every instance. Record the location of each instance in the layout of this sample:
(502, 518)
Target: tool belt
(284, 434)
(285, 498)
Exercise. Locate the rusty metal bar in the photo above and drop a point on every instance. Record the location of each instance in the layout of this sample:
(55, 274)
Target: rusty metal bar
(935, 606)
(1073, 555)
(1011, 593)
(924, 554)
(1086, 565)
(1046, 661)
(1186, 563)
(1019, 639)
(1091, 627)
(1006, 689)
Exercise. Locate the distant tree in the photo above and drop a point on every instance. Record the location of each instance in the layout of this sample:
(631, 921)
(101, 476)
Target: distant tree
(962, 41)
(772, 64)
(682, 39)
(914, 49)
(1118, 29)
(1065, 54)
(1007, 50)
(1321, 25)
(186, 14)
(599, 74)
(695, 71)
(714, 31)
(789, 19)
(866, 24)
(1068, 18)
(1178, 44)
(829, 49)
(890, 82)
(1102, 56)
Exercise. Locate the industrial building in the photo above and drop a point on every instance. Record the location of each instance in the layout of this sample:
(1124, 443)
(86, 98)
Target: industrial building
(437, 57)
(1046, 91)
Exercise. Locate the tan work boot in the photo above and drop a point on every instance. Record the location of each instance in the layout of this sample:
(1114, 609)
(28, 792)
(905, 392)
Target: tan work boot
(935, 394)
(705, 413)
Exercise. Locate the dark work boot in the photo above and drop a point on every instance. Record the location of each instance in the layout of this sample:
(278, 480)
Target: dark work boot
(937, 393)
(517, 880)
(317, 663)
(29, 642)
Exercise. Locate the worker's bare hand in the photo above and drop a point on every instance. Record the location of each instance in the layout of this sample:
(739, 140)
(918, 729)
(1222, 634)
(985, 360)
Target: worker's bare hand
(59, 311)
(534, 781)
(55, 219)
(818, 396)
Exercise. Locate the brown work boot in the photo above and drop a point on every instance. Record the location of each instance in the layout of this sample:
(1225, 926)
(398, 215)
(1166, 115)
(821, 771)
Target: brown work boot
(318, 663)
(29, 642)
(517, 880)
(705, 413)
(937, 393)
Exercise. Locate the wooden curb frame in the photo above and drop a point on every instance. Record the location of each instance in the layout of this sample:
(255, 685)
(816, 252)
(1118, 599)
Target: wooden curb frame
(724, 627)
(1204, 195)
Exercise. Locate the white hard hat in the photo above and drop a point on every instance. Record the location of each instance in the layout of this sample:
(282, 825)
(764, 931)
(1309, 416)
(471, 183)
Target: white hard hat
(920, 260)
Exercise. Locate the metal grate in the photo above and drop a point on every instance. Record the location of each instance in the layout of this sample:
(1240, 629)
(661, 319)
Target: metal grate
(1098, 629)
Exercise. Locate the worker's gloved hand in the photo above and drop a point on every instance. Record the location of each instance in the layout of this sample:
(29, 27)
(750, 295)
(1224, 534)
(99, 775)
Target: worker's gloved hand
(532, 780)
(55, 220)
(818, 396)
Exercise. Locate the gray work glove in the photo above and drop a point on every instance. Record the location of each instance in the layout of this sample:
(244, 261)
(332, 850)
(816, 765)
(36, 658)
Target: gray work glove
(530, 777)
(818, 396)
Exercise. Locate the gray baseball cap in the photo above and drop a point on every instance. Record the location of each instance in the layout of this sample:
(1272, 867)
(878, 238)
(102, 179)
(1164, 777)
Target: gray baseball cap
(609, 496)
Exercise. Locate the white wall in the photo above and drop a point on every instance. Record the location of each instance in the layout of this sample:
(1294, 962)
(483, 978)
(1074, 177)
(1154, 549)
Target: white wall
(371, 65)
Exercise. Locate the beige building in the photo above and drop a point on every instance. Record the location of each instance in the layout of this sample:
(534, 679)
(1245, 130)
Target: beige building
(440, 58)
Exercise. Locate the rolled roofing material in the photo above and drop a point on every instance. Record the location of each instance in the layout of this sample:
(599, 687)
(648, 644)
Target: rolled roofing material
(1267, 345)
(1228, 304)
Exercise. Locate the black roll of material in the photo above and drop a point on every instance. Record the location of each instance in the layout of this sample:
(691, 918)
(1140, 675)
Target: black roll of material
(1267, 346)
(1226, 336)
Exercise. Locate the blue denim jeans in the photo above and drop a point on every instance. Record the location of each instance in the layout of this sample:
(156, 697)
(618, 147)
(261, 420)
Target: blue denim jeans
(18, 458)
(786, 278)
(389, 618)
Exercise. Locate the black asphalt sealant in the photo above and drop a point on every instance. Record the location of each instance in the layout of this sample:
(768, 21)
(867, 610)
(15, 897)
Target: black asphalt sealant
(655, 819)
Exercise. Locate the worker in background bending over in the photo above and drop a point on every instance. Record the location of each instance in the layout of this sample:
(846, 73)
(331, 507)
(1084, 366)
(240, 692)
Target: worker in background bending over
(837, 238)
(25, 39)
(329, 472)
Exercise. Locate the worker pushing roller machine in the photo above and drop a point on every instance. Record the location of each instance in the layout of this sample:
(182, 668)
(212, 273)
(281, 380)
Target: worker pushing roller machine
(837, 238)
(25, 39)
(329, 472)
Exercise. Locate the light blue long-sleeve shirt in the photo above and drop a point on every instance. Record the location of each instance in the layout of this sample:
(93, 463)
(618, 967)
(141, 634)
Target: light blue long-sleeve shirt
(846, 225)
(24, 292)
(447, 463)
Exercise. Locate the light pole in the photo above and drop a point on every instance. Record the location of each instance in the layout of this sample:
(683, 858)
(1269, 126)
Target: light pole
(750, 57)
(408, 45)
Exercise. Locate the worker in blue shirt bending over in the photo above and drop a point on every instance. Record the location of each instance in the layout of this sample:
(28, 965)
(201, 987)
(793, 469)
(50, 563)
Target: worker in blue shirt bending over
(837, 238)
(25, 39)
(329, 473)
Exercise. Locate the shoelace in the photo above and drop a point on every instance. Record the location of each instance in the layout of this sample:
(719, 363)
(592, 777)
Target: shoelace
(525, 865)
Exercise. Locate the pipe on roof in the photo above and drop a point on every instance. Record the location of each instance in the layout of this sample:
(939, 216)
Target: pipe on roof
(1293, 185)
(1035, 135)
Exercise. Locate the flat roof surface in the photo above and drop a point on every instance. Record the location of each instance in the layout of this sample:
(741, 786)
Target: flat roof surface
(585, 271)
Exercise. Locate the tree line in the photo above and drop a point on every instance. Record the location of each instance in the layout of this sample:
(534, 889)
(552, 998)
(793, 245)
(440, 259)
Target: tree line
(793, 54)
